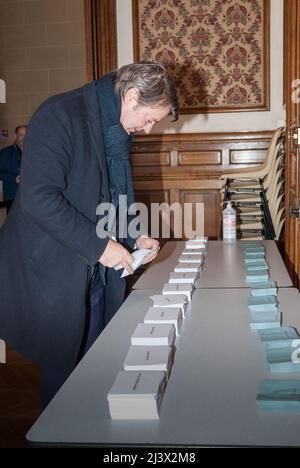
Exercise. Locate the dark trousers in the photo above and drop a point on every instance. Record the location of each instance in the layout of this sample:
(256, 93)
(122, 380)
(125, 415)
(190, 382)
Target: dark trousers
(53, 379)
(8, 205)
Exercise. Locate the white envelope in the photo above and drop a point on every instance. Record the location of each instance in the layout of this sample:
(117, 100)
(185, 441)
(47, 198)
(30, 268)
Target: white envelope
(161, 300)
(186, 289)
(191, 259)
(138, 258)
(187, 268)
(182, 278)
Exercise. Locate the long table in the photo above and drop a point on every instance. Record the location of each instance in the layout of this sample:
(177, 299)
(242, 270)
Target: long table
(224, 267)
(210, 397)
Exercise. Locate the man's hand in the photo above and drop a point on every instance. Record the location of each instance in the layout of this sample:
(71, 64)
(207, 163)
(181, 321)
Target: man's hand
(115, 254)
(146, 242)
(18, 179)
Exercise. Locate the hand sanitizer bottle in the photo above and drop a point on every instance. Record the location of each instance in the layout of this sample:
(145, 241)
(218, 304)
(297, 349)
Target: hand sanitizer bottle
(229, 224)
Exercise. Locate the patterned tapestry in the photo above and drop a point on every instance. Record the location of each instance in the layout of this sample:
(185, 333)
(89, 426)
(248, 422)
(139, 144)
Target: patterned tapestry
(216, 50)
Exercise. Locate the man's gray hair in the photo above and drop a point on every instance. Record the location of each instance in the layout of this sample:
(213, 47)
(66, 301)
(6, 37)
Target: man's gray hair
(154, 84)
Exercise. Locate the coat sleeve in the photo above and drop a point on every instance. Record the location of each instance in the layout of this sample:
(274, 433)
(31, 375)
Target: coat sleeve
(45, 166)
(4, 174)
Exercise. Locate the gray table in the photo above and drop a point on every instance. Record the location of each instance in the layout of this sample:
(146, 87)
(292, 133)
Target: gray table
(210, 397)
(224, 266)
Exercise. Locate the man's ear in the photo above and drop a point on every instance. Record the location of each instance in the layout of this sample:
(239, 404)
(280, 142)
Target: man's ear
(131, 96)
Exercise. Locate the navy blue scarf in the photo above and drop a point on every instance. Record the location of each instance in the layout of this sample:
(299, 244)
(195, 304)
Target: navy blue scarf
(116, 141)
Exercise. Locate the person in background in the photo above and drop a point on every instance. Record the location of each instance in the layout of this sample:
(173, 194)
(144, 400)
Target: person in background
(10, 165)
(58, 285)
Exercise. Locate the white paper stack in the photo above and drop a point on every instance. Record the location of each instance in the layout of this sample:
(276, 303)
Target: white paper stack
(194, 252)
(175, 300)
(138, 259)
(187, 268)
(183, 278)
(165, 315)
(149, 358)
(153, 335)
(191, 259)
(186, 289)
(203, 239)
(197, 243)
(137, 395)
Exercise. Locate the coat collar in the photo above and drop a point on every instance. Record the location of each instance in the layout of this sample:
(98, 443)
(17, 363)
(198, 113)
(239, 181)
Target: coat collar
(95, 129)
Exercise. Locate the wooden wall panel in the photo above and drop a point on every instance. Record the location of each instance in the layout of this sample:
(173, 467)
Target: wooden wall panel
(151, 196)
(192, 158)
(186, 168)
(247, 156)
(211, 201)
(151, 159)
(101, 37)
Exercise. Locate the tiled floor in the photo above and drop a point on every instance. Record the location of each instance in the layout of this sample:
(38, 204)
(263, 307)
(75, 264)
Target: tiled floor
(19, 399)
(19, 394)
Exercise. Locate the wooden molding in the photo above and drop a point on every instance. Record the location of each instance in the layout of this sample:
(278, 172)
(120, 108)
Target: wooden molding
(212, 136)
(201, 155)
(292, 174)
(101, 37)
(135, 31)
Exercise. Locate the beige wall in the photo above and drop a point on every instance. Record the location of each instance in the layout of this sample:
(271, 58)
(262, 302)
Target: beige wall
(42, 53)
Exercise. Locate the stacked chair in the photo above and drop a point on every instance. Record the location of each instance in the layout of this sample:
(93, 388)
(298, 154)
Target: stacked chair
(257, 194)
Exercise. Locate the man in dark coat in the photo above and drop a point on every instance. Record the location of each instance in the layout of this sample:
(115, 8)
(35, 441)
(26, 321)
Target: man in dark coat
(10, 165)
(56, 274)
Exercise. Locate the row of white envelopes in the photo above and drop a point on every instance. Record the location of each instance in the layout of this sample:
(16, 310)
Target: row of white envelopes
(138, 389)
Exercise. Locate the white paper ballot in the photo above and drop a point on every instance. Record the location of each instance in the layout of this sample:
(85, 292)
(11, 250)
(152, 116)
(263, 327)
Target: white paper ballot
(138, 258)
(194, 252)
(187, 268)
(183, 278)
(198, 239)
(195, 245)
(137, 395)
(165, 315)
(191, 259)
(186, 289)
(175, 300)
(149, 358)
(153, 335)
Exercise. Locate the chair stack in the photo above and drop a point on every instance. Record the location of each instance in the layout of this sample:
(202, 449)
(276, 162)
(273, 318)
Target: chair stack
(257, 194)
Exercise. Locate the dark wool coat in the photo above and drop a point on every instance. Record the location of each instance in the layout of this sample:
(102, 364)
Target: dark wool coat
(48, 243)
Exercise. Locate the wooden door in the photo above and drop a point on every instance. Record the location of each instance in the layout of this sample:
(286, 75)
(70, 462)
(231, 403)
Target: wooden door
(292, 99)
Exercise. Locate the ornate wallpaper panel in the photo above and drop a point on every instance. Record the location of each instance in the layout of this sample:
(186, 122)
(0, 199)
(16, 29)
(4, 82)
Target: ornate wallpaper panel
(216, 50)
